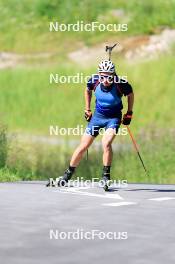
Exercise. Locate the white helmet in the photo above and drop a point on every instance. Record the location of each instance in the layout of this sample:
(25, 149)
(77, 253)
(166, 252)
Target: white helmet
(106, 66)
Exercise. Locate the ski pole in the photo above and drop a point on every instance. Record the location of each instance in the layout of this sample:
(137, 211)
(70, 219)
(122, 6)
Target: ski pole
(87, 154)
(136, 148)
(110, 48)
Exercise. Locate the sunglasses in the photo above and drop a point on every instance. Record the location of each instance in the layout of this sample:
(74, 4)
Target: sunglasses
(109, 78)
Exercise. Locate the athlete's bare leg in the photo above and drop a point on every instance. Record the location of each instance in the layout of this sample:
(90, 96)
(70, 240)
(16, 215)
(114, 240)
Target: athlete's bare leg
(86, 141)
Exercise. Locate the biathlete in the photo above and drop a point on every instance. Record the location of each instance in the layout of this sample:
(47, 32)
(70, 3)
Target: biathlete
(108, 90)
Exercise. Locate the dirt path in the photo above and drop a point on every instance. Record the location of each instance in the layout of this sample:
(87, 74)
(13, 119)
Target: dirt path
(133, 49)
(11, 60)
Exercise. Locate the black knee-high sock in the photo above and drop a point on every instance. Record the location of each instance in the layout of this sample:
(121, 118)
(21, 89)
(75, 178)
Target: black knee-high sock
(106, 171)
(72, 169)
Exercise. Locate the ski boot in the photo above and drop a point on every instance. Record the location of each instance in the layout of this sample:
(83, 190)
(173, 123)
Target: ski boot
(61, 181)
(106, 177)
(65, 178)
(106, 181)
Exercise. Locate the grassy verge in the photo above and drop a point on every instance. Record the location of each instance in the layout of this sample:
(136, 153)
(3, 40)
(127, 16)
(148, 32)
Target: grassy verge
(6, 175)
(26, 161)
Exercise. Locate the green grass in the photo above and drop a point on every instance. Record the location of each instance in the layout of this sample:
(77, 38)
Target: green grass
(158, 158)
(24, 24)
(7, 175)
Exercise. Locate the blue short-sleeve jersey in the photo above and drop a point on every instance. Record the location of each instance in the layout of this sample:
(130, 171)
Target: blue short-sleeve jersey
(108, 99)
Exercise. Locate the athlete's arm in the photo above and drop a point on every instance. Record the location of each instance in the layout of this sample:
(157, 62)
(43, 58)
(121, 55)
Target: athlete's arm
(130, 98)
(128, 116)
(88, 96)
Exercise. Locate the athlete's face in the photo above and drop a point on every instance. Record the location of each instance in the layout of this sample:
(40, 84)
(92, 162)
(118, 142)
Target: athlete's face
(106, 78)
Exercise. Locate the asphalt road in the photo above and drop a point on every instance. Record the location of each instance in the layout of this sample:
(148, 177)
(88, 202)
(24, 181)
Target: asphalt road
(42, 225)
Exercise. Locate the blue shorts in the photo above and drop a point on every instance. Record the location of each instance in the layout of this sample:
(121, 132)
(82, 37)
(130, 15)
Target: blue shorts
(99, 121)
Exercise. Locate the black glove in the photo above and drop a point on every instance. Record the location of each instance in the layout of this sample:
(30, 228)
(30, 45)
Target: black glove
(87, 115)
(127, 118)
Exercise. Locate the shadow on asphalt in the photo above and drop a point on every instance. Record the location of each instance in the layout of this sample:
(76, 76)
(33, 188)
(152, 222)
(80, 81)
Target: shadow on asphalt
(152, 190)
(113, 190)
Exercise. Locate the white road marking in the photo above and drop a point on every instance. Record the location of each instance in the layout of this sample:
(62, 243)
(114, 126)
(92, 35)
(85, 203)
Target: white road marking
(76, 191)
(73, 189)
(162, 199)
(118, 204)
